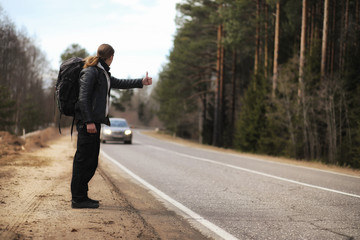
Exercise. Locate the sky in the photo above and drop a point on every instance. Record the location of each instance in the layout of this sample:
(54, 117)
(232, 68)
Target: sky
(141, 31)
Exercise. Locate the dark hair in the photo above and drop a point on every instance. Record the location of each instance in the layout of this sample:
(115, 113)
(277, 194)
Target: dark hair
(104, 52)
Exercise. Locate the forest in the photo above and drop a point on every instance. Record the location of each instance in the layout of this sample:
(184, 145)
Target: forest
(26, 96)
(276, 77)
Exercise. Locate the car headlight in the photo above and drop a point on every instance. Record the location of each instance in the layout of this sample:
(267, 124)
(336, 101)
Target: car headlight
(127, 132)
(107, 131)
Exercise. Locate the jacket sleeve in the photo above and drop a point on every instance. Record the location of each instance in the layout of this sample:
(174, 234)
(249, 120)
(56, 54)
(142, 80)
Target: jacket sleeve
(125, 83)
(87, 82)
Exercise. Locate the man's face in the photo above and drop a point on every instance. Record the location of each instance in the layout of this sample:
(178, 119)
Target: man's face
(109, 60)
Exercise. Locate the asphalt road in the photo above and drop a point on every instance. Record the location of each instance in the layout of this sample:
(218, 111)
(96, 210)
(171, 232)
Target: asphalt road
(237, 197)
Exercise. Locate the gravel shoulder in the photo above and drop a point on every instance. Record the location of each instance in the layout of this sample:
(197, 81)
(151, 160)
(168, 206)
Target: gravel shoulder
(35, 198)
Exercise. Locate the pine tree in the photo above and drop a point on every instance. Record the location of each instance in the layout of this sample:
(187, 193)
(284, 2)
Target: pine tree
(252, 118)
(6, 108)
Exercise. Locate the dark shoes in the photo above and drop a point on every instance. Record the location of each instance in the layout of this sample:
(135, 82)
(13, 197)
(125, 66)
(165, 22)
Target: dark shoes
(92, 200)
(88, 203)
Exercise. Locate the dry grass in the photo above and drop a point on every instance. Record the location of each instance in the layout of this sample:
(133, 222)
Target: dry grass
(16, 151)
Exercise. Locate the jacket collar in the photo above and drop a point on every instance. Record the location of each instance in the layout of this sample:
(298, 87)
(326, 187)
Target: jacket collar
(104, 66)
(107, 74)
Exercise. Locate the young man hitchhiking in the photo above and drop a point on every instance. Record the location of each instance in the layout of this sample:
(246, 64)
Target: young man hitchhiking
(91, 111)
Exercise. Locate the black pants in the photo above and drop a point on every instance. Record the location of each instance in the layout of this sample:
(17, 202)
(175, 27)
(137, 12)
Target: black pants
(85, 161)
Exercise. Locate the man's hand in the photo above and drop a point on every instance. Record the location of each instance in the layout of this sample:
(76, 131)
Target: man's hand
(91, 128)
(147, 80)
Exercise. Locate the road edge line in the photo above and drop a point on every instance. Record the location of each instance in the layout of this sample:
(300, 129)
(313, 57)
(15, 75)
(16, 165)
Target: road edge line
(196, 217)
(259, 173)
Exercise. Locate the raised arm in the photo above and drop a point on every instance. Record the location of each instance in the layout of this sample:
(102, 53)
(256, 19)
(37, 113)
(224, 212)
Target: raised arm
(130, 83)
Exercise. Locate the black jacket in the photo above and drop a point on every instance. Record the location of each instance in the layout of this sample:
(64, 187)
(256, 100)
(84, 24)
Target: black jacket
(91, 105)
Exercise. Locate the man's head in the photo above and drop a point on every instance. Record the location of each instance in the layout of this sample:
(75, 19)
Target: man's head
(106, 53)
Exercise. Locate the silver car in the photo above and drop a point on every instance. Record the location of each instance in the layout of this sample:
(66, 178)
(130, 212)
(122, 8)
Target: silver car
(118, 130)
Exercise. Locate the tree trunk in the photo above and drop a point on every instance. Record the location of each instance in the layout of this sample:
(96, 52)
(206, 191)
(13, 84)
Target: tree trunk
(324, 39)
(308, 27)
(329, 44)
(330, 121)
(221, 90)
(301, 93)
(218, 91)
(346, 28)
(266, 41)
(233, 107)
(291, 127)
(276, 48)
(312, 29)
(333, 40)
(302, 49)
(357, 15)
(257, 37)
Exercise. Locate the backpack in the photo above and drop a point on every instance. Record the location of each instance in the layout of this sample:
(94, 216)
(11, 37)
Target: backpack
(67, 85)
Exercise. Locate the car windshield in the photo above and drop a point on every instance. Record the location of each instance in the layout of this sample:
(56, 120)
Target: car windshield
(118, 123)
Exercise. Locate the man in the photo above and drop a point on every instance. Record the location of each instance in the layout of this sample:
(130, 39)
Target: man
(91, 111)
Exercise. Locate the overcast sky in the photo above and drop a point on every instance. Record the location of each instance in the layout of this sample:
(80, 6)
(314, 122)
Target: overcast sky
(141, 31)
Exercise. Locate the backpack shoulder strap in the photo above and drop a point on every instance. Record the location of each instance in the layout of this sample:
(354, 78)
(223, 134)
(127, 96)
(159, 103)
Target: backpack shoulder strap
(72, 127)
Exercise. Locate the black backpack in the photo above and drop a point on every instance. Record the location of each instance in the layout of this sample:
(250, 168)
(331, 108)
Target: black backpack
(67, 85)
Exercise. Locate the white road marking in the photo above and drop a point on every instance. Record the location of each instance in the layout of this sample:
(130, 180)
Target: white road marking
(212, 227)
(291, 165)
(256, 158)
(254, 172)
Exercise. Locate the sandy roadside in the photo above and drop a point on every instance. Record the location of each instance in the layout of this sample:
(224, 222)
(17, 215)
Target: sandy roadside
(35, 201)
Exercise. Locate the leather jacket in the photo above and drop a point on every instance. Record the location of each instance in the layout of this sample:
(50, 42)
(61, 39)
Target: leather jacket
(93, 94)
